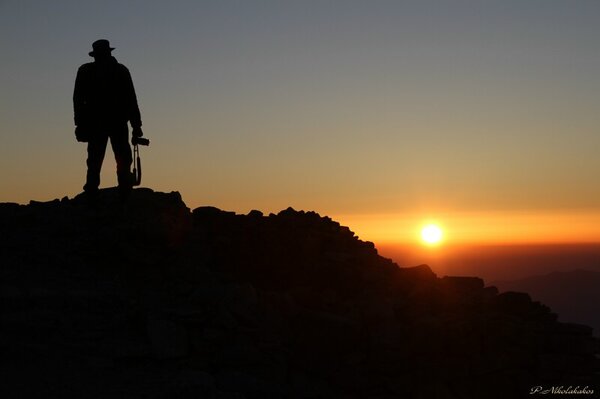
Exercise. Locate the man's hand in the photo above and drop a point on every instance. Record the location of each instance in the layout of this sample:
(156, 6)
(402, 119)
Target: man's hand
(82, 134)
(137, 132)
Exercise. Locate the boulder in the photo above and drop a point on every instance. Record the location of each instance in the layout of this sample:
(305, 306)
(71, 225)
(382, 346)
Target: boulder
(167, 339)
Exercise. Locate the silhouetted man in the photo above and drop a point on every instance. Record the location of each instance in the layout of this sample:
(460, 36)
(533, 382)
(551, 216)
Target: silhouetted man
(104, 101)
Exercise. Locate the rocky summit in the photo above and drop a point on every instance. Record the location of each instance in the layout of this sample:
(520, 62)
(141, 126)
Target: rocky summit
(144, 298)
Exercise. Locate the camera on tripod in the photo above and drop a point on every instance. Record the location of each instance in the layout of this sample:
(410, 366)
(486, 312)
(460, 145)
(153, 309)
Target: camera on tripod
(140, 141)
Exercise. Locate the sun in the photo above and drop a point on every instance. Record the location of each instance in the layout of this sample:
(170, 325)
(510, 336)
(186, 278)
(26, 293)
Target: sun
(432, 234)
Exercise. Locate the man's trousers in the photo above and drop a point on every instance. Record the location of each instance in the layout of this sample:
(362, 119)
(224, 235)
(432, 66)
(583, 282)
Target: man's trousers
(119, 140)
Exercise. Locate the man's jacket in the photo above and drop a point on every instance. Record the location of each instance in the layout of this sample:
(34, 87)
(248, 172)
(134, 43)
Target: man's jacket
(104, 96)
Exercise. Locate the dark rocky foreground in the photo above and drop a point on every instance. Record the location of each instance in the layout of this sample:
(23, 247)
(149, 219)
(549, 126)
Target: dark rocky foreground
(146, 299)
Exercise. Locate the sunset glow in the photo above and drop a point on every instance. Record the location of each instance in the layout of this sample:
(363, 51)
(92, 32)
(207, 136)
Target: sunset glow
(479, 228)
(378, 116)
(340, 198)
(431, 234)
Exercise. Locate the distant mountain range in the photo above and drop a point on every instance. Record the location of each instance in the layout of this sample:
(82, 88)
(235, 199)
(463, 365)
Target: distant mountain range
(574, 295)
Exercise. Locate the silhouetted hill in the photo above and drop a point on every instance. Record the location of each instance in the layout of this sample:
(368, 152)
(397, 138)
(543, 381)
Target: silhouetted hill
(147, 299)
(573, 295)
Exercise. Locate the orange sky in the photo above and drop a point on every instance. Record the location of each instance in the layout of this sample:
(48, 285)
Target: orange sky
(479, 228)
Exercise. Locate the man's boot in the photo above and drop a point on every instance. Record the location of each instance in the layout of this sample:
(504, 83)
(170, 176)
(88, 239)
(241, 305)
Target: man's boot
(125, 179)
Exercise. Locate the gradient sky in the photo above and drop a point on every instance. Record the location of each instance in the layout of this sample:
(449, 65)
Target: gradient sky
(381, 114)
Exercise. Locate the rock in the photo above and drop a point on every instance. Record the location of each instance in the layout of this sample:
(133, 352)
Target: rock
(255, 214)
(167, 339)
(511, 302)
(464, 285)
(46, 204)
(7, 292)
(251, 386)
(148, 298)
(575, 329)
(241, 301)
(240, 357)
(489, 293)
(241, 294)
(230, 395)
(207, 211)
(199, 384)
(305, 386)
(462, 291)
(421, 272)
(289, 213)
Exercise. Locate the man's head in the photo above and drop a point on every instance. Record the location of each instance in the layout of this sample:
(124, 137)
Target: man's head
(101, 49)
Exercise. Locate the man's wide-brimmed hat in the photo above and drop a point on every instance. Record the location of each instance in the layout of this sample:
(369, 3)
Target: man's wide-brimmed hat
(101, 46)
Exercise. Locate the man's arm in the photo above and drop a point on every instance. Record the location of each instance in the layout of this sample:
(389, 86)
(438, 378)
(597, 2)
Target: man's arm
(133, 111)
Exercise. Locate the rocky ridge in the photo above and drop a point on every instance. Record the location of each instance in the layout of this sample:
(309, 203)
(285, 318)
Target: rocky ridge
(147, 299)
